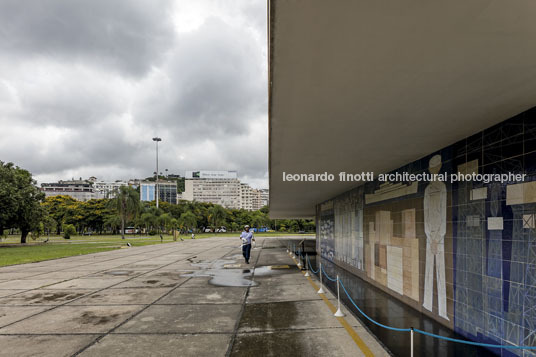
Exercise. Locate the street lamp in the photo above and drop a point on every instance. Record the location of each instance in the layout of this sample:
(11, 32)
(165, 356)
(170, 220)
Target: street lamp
(156, 140)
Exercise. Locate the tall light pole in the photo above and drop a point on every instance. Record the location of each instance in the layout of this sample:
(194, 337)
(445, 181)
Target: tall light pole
(156, 140)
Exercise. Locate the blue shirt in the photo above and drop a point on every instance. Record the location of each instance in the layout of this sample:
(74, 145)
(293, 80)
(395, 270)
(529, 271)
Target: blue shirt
(246, 237)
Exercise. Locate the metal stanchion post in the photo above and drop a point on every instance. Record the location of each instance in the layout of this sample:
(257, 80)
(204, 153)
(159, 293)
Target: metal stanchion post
(339, 312)
(306, 266)
(299, 259)
(321, 290)
(411, 343)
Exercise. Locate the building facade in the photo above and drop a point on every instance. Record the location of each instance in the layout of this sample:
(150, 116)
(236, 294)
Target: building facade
(434, 89)
(211, 174)
(222, 188)
(167, 191)
(463, 253)
(108, 189)
(222, 191)
(81, 190)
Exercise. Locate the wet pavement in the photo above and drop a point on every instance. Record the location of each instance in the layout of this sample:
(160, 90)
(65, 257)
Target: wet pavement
(390, 311)
(191, 298)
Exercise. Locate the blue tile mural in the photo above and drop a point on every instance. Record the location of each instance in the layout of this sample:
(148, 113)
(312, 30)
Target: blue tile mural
(463, 253)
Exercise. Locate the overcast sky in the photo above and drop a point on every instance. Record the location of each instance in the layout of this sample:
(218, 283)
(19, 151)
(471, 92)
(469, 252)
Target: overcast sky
(85, 85)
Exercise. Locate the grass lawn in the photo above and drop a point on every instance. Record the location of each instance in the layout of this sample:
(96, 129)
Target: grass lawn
(36, 253)
(12, 252)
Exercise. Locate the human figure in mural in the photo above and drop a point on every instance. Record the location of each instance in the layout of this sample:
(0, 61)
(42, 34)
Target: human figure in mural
(435, 226)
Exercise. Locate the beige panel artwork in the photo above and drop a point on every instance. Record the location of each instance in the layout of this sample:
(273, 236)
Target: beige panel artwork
(394, 261)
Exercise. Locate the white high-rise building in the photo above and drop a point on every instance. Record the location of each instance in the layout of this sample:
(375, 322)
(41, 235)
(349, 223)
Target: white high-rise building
(221, 187)
(224, 191)
(210, 174)
(108, 189)
(246, 197)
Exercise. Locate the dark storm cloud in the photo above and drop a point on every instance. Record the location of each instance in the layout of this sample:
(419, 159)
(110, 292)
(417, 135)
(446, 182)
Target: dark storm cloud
(127, 35)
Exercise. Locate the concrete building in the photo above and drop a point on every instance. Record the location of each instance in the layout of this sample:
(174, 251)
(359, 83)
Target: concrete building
(211, 174)
(223, 188)
(108, 189)
(167, 190)
(264, 197)
(247, 195)
(222, 191)
(81, 190)
(254, 199)
(428, 88)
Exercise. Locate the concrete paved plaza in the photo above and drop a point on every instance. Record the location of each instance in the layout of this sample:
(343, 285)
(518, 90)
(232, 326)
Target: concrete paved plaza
(191, 298)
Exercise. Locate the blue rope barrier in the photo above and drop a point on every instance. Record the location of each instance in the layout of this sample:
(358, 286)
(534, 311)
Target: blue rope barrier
(326, 275)
(310, 266)
(473, 343)
(368, 317)
(489, 345)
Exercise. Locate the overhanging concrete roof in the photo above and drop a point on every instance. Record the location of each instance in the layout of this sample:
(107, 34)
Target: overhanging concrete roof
(372, 85)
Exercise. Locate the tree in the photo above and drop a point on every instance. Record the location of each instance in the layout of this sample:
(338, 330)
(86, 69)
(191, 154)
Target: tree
(113, 222)
(68, 231)
(188, 220)
(60, 208)
(127, 205)
(173, 224)
(216, 216)
(49, 224)
(8, 196)
(149, 220)
(164, 221)
(20, 200)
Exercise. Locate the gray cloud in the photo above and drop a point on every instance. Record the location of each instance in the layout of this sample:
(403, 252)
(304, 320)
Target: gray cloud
(127, 35)
(217, 84)
(85, 85)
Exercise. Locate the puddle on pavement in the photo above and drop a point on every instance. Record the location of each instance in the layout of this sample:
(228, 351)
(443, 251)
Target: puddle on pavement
(222, 276)
(226, 272)
(269, 270)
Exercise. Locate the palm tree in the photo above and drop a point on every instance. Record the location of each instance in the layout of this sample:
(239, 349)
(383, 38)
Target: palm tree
(127, 204)
(173, 224)
(148, 220)
(113, 221)
(164, 220)
(188, 220)
(216, 215)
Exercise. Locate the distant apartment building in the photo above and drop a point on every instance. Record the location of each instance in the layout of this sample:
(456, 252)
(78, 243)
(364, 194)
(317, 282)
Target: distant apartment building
(81, 190)
(259, 198)
(265, 197)
(222, 188)
(246, 197)
(167, 190)
(108, 189)
(210, 174)
(253, 199)
(224, 192)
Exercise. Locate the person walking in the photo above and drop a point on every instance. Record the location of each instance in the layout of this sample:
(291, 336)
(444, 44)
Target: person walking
(246, 237)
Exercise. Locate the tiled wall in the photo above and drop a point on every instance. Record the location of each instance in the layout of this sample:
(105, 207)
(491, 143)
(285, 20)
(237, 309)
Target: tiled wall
(463, 253)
